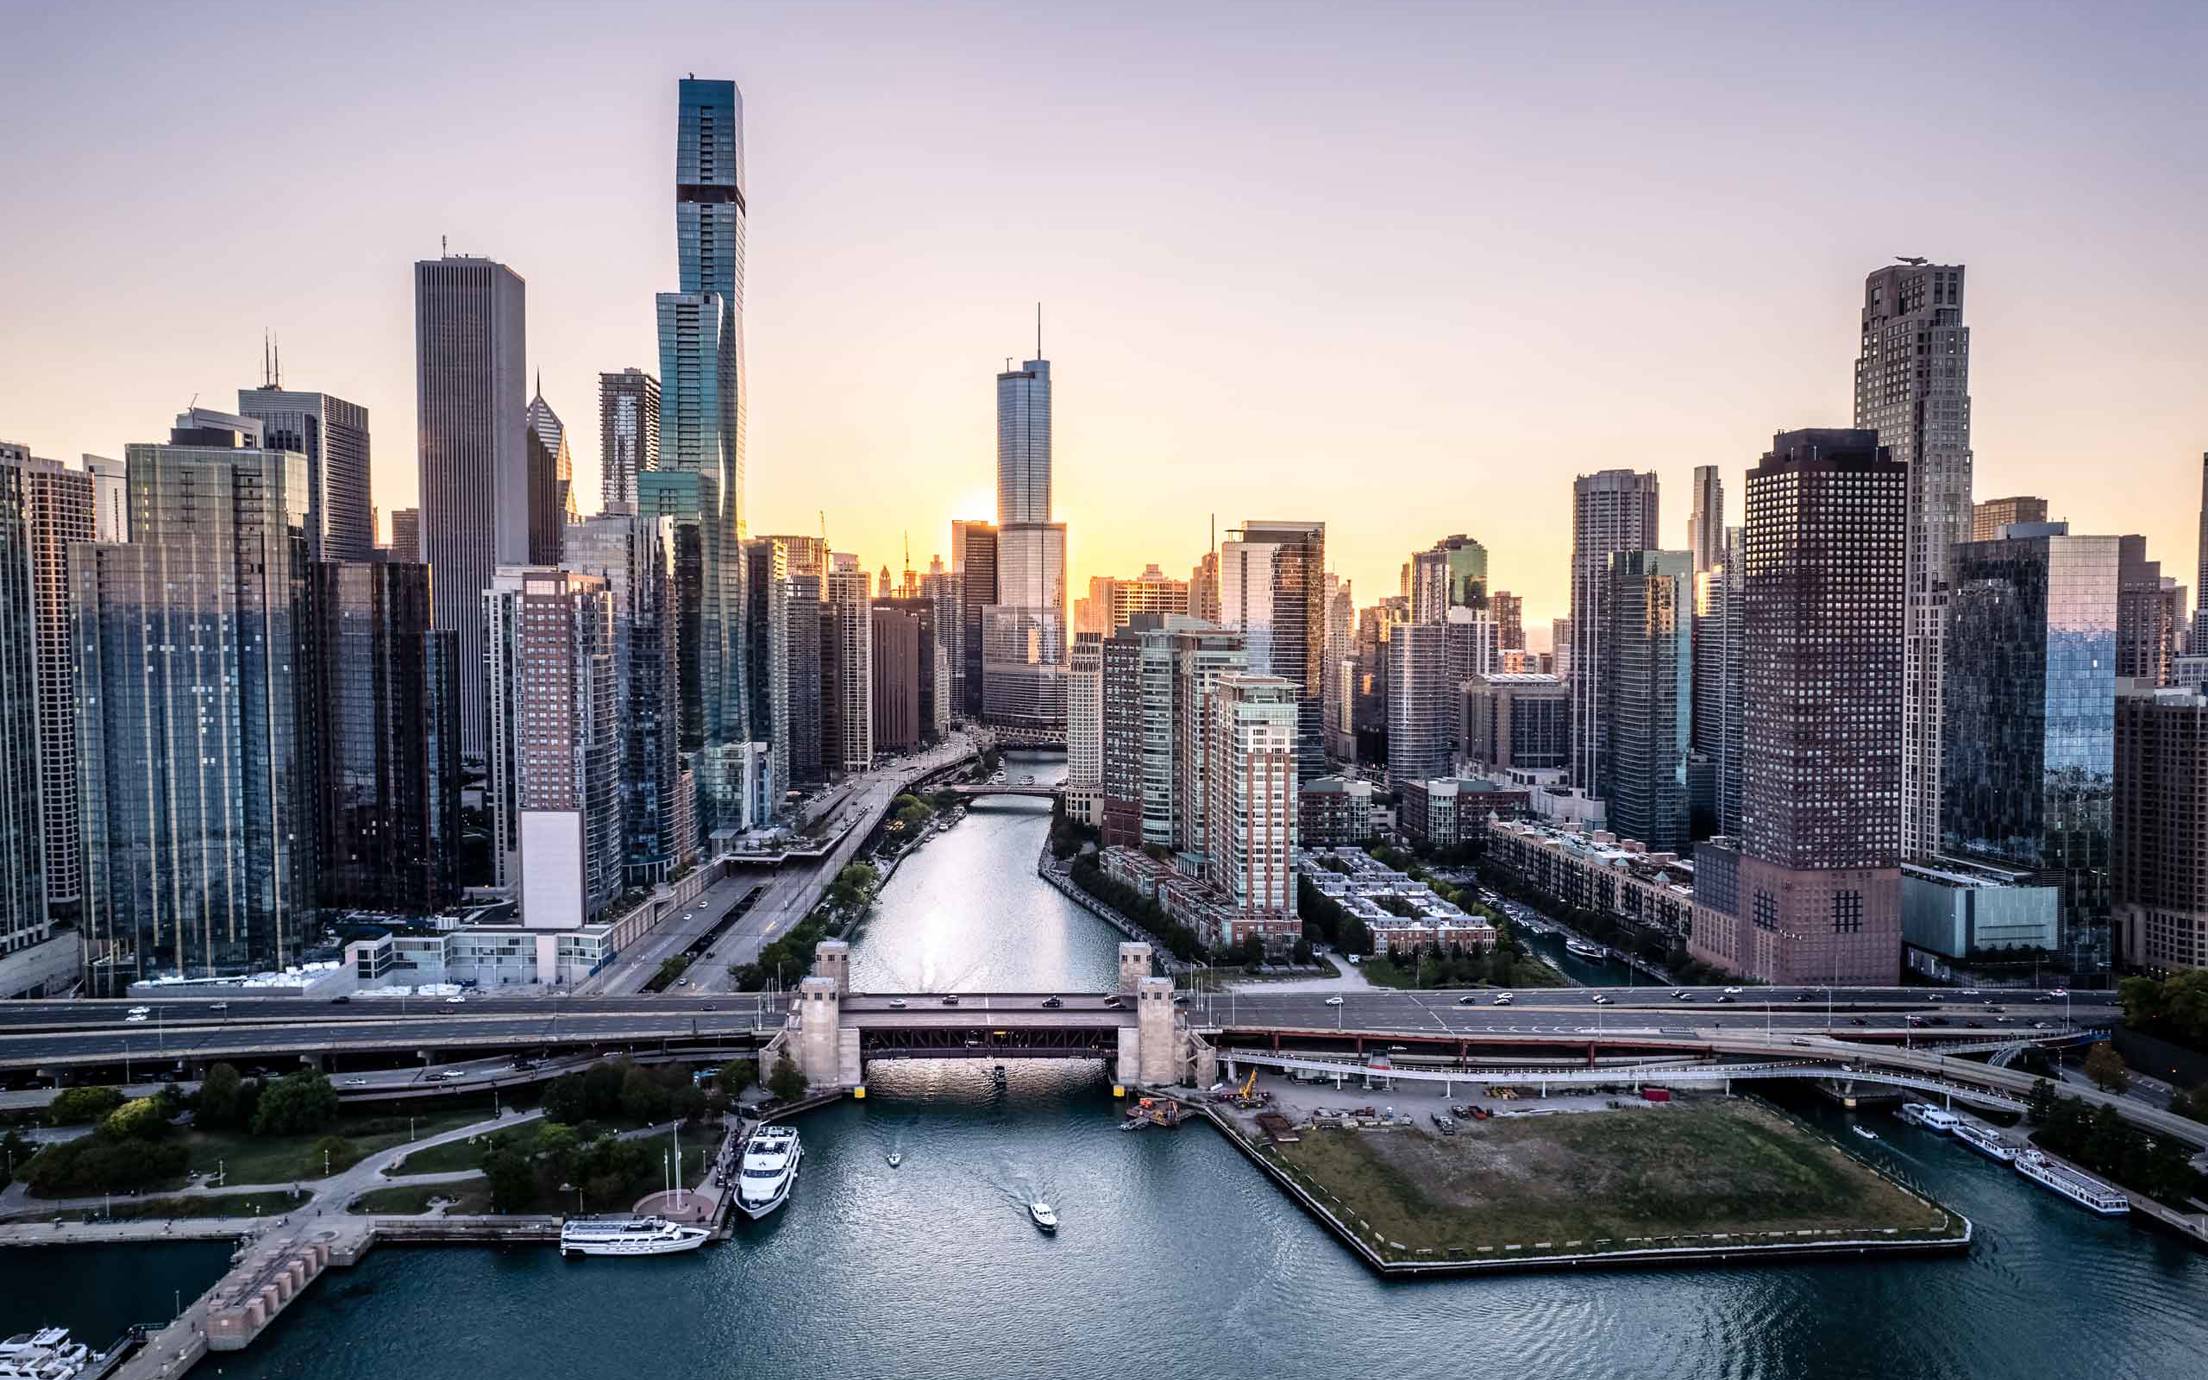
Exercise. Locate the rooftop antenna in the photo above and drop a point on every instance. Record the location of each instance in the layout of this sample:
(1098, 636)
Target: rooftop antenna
(444, 249)
(823, 532)
(267, 378)
(278, 345)
(1038, 330)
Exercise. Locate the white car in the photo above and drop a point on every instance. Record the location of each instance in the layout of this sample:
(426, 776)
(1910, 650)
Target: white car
(1502, 999)
(1601, 1000)
(141, 1011)
(135, 1018)
(1732, 991)
(454, 1001)
(1333, 1001)
(2058, 992)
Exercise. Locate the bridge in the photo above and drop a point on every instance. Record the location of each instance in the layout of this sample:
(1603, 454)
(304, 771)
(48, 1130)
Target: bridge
(972, 790)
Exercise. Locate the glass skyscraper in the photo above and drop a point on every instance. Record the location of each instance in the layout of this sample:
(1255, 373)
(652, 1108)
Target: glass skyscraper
(1648, 656)
(194, 657)
(333, 434)
(1023, 631)
(22, 850)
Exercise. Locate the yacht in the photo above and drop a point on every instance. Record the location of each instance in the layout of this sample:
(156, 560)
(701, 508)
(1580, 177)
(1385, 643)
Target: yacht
(625, 1236)
(1986, 1141)
(1931, 1118)
(2080, 1188)
(46, 1354)
(1044, 1216)
(895, 1159)
(770, 1167)
(1580, 948)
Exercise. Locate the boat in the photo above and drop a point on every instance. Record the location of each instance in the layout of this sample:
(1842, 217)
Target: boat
(624, 1236)
(46, 1354)
(1044, 1216)
(895, 1159)
(1864, 1131)
(1937, 1120)
(996, 1074)
(1580, 948)
(2076, 1185)
(1986, 1141)
(769, 1170)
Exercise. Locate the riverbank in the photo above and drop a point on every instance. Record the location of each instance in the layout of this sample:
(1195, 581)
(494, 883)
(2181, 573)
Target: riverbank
(1709, 1180)
(1060, 879)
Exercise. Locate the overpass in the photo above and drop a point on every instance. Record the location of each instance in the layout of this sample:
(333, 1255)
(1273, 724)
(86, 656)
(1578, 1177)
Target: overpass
(975, 790)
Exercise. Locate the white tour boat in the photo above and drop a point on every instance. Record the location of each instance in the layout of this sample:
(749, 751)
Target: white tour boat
(1935, 1119)
(1986, 1141)
(1580, 948)
(1044, 1216)
(770, 1163)
(628, 1236)
(46, 1354)
(2080, 1188)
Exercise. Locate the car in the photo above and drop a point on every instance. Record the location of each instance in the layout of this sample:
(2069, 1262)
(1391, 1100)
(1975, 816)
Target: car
(1732, 991)
(341, 1001)
(682, 982)
(1725, 996)
(356, 1082)
(1601, 1000)
(219, 1006)
(1801, 996)
(454, 1000)
(141, 1011)
(950, 998)
(1502, 999)
(2043, 1025)
(1857, 1020)
(1180, 998)
(2043, 998)
(896, 1003)
(1939, 996)
(1468, 1001)
(1916, 1020)
(135, 1018)
(1112, 1001)
(1970, 991)
(1333, 1001)
(2058, 991)
(1682, 994)
(1991, 1007)
(1053, 1003)
(1399, 1049)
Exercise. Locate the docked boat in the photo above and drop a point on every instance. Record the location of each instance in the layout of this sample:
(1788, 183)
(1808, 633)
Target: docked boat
(1580, 948)
(2079, 1187)
(625, 1236)
(1986, 1141)
(769, 1170)
(46, 1354)
(1937, 1120)
(1044, 1216)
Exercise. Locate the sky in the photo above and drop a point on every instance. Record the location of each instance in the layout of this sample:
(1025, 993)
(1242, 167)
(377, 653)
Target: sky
(1406, 269)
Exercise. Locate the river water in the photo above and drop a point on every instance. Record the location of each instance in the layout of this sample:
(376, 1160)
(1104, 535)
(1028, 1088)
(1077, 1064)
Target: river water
(1175, 1258)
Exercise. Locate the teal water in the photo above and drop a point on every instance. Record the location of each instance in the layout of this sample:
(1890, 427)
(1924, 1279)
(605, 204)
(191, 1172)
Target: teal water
(1177, 1260)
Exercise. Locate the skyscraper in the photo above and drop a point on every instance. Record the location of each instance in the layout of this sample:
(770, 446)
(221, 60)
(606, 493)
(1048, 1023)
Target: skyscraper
(2160, 828)
(387, 779)
(1718, 729)
(1251, 731)
(333, 435)
(48, 510)
(767, 636)
(1912, 386)
(800, 595)
(2029, 751)
(555, 767)
(1706, 520)
(1612, 510)
(1811, 889)
(847, 667)
(628, 435)
(198, 767)
(1023, 632)
(23, 633)
(406, 537)
(1272, 587)
(634, 556)
(1200, 655)
(1510, 620)
(1085, 729)
(471, 399)
(974, 559)
(1988, 518)
(551, 481)
(898, 651)
(1423, 705)
(2149, 612)
(1648, 657)
(701, 428)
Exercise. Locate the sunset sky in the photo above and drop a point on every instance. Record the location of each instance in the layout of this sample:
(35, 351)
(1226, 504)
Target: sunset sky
(1408, 270)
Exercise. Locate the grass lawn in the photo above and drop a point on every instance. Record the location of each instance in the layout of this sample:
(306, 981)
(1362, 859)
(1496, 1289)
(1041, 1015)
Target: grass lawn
(468, 1198)
(698, 1146)
(269, 1204)
(251, 1159)
(1601, 1180)
(1532, 970)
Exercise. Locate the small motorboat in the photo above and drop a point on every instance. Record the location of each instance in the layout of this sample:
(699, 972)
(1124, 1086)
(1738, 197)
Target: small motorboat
(895, 1159)
(1045, 1217)
(1864, 1131)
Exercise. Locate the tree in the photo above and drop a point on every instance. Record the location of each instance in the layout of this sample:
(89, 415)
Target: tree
(2039, 1107)
(513, 1182)
(567, 1099)
(77, 1106)
(296, 1104)
(642, 1098)
(786, 1082)
(331, 1154)
(2106, 1068)
(220, 1099)
(1303, 954)
(737, 1075)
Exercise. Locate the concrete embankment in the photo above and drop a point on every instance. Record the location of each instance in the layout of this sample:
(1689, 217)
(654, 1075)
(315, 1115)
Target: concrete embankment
(1061, 880)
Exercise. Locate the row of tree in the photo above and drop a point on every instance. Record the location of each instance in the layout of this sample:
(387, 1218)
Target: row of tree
(2103, 1142)
(847, 901)
(2174, 1008)
(618, 1089)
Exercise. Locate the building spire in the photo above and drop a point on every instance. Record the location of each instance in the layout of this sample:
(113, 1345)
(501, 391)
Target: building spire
(1038, 330)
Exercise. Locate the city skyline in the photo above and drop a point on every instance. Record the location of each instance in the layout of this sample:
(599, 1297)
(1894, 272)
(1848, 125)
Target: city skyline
(1492, 290)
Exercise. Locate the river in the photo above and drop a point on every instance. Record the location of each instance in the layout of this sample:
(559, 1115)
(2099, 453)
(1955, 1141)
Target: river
(1175, 1258)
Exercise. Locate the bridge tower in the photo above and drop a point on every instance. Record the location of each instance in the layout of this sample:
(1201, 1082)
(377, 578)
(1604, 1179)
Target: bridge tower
(832, 959)
(1134, 966)
(1157, 1038)
(826, 1052)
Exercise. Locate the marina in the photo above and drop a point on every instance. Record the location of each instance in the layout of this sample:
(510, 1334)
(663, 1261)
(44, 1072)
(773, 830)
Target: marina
(628, 1236)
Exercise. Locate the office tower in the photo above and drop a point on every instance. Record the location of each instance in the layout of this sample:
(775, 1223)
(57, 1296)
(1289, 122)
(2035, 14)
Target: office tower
(701, 431)
(471, 399)
(1200, 655)
(2159, 863)
(1023, 632)
(1272, 587)
(1517, 721)
(333, 435)
(1128, 740)
(1422, 705)
(1150, 592)
(555, 756)
(847, 667)
(767, 634)
(1092, 613)
(1510, 619)
(198, 770)
(897, 674)
(628, 435)
(1085, 729)
(387, 777)
(49, 509)
(110, 498)
(2200, 574)
(1338, 671)
(1253, 724)
(26, 617)
(2149, 611)
(1989, 517)
(1452, 574)
(1810, 891)
(931, 677)
(1912, 386)
(551, 481)
(1560, 648)
(1203, 589)
(633, 556)
(945, 591)
(1648, 657)
(406, 537)
(1718, 726)
(799, 594)
(1612, 510)
(2029, 751)
(1706, 520)
(974, 558)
